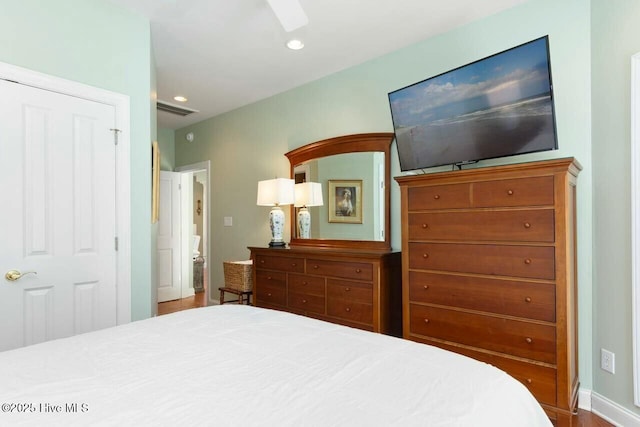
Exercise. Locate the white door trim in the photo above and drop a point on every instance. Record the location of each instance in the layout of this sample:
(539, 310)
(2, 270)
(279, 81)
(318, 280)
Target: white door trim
(635, 220)
(123, 174)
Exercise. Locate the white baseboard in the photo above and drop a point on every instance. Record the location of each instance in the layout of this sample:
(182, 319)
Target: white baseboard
(607, 409)
(584, 399)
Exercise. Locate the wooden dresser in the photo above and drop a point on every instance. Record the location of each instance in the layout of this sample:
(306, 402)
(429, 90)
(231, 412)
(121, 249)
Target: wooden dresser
(489, 270)
(356, 288)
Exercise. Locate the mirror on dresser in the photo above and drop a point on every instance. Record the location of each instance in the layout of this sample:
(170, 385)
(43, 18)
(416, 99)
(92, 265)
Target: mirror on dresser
(358, 162)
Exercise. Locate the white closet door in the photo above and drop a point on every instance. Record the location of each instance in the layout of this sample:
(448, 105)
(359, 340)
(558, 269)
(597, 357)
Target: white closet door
(58, 216)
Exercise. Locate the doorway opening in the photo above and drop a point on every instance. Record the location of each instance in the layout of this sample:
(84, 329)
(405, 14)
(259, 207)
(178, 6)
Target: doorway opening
(194, 248)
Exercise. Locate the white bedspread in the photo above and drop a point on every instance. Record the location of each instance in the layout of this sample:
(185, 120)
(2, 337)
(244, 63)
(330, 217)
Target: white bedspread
(236, 365)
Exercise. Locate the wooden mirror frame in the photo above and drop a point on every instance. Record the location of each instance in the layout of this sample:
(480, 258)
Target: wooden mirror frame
(357, 143)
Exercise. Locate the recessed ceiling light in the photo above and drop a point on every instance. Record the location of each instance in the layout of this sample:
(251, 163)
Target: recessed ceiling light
(180, 98)
(295, 44)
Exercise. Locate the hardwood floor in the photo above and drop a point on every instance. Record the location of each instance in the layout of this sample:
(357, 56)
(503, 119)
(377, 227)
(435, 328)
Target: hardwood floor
(198, 300)
(583, 419)
(589, 419)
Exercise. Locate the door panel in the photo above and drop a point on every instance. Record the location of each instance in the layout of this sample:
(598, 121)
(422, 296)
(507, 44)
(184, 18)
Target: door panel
(59, 219)
(169, 233)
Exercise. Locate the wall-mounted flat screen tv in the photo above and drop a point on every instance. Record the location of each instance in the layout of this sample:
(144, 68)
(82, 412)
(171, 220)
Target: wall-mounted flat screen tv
(498, 106)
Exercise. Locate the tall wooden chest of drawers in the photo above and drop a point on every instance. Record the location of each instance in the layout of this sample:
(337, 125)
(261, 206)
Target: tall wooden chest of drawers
(355, 288)
(489, 270)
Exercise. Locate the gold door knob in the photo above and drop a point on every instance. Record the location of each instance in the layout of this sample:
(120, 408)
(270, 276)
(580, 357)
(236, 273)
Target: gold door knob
(13, 275)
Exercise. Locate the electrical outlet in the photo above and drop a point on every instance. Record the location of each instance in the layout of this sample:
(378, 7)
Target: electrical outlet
(608, 361)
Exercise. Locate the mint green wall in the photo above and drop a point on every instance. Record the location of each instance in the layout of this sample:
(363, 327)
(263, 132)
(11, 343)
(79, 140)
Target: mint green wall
(102, 45)
(167, 144)
(615, 38)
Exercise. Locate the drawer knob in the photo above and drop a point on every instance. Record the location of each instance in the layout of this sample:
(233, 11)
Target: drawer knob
(529, 380)
(269, 294)
(527, 261)
(528, 340)
(293, 264)
(425, 226)
(527, 299)
(348, 309)
(261, 261)
(316, 267)
(304, 301)
(347, 289)
(426, 320)
(425, 256)
(269, 277)
(510, 192)
(437, 197)
(358, 270)
(304, 283)
(527, 225)
(425, 287)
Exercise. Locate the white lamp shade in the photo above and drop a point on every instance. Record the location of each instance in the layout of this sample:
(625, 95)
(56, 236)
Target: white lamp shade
(308, 194)
(275, 192)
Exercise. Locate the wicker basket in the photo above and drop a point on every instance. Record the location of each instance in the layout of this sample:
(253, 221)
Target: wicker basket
(238, 275)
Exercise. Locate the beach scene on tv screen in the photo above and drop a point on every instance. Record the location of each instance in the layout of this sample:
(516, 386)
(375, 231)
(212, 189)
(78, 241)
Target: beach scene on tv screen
(495, 107)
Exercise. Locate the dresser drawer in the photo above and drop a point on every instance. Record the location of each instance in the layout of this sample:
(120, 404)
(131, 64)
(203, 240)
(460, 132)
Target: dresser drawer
(270, 288)
(282, 263)
(347, 270)
(518, 338)
(304, 284)
(536, 191)
(306, 302)
(350, 310)
(346, 322)
(354, 291)
(510, 297)
(271, 278)
(439, 197)
(511, 225)
(350, 301)
(539, 379)
(502, 260)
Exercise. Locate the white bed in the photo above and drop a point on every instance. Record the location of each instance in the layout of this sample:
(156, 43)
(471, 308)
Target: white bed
(237, 365)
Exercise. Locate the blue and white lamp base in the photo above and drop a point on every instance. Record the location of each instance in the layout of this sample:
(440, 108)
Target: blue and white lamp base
(276, 222)
(304, 223)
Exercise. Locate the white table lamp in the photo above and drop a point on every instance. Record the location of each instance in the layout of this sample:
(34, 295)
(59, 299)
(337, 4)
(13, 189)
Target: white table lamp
(307, 194)
(276, 192)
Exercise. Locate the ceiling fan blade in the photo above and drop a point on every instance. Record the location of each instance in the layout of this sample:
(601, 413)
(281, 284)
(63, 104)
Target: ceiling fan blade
(289, 13)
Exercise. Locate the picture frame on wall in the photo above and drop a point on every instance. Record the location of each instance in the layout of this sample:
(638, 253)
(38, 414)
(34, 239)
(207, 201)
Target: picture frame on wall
(345, 201)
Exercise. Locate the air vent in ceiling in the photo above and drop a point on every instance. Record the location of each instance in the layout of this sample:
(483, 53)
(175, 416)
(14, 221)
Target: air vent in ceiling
(174, 109)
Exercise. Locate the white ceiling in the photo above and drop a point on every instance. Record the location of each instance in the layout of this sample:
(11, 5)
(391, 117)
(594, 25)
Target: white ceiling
(224, 54)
